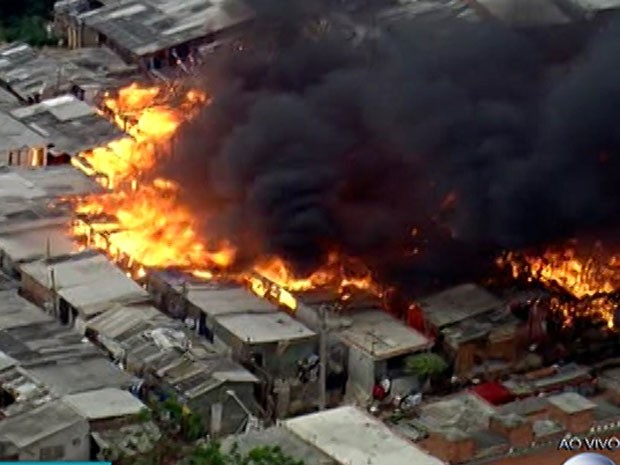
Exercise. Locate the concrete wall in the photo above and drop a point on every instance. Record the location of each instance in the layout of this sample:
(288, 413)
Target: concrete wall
(361, 369)
(35, 291)
(74, 440)
(233, 414)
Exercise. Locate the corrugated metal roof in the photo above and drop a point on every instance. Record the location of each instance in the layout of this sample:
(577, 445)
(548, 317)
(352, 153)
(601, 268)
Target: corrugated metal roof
(147, 26)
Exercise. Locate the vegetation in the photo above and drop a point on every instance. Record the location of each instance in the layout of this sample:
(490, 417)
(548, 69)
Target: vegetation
(181, 442)
(26, 20)
(426, 365)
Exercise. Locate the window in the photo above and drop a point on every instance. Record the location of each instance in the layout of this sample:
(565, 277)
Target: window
(52, 453)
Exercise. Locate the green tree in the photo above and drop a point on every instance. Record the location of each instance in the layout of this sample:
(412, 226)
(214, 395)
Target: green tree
(212, 454)
(428, 367)
(26, 20)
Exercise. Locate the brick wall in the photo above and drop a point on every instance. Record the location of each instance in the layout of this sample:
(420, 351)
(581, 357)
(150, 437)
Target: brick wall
(579, 422)
(451, 451)
(519, 435)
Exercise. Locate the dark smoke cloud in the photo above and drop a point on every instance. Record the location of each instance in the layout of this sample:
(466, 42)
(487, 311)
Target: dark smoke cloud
(314, 143)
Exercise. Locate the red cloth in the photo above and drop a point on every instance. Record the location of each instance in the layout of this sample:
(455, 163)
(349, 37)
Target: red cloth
(494, 393)
(378, 392)
(415, 318)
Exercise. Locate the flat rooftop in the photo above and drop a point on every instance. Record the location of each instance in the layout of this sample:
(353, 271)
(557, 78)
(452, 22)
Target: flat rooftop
(457, 304)
(36, 240)
(381, 335)
(465, 413)
(26, 194)
(148, 26)
(227, 301)
(84, 268)
(105, 403)
(571, 402)
(67, 124)
(53, 181)
(16, 311)
(94, 297)
(81, 376)
(16, 135)
(39, 423)
(265, 328)
(349, 435)
(278, 436)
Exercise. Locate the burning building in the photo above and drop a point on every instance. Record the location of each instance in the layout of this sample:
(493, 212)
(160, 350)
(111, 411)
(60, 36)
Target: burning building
(286, 172)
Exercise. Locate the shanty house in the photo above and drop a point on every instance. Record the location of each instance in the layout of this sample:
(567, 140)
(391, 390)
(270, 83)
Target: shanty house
(79, 287)
(34, 240)
(151, 33)
(33, 75)
(50, 132)
(474, 325)
(285, 440)
(377, 345)
(349, 435)
(106, 408)
(114, 331)
(51, 432)
(67, 125)
(217, 389)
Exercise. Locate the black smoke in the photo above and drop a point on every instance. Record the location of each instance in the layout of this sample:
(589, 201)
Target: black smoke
(316, 141)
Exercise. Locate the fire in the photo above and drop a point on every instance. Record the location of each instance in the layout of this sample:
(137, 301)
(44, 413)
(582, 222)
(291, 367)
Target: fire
(142, 224)
(335, 274)
(592, 277)
(151, 117)
(150, 226)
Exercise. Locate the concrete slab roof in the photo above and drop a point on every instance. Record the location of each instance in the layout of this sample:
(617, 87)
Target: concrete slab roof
(84, 268)
(94, 297)
(22, 184)
(81, 376)
(571, 402)
(15, 311)
(15, 135)
(37, 240)
(226, 301)
(278, 436)
(382, 336)
(105, 403)
(464, 412)
(37, 424)
(349, 435)
(264, 328)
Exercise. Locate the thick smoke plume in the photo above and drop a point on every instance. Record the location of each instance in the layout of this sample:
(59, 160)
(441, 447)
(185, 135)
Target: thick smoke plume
(315, 141)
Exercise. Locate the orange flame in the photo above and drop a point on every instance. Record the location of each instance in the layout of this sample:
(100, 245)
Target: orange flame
(143, 224)
(589, 276)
